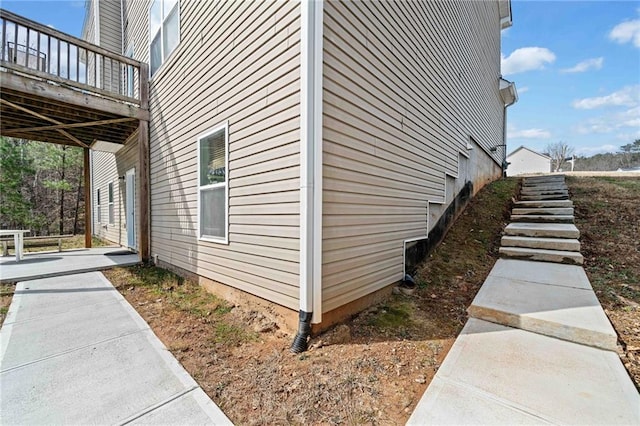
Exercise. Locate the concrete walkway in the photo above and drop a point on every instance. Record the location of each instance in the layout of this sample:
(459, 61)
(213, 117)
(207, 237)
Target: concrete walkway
(73, 351)
(538, 348)
(48, 264)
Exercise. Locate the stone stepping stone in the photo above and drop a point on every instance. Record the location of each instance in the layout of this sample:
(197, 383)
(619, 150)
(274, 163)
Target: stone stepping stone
(563, 244)
(542, 255)
(544, 218)
(544, 230)
(561, 311)
(544, 203)
(544, 192)
(543, 197)
(543, 210)
(544, 178)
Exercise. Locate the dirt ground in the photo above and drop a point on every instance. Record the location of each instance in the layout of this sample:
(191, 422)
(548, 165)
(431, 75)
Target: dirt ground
(370, 370)
(374, 368)
(607, 213)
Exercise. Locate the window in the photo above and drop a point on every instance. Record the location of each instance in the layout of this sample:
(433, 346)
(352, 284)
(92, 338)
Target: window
(111, 212)
(164, 31)
(213, 178)
(99, 212)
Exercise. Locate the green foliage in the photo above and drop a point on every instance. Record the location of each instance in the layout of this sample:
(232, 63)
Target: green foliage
(627, 157)
(15, 170)
(35, 179)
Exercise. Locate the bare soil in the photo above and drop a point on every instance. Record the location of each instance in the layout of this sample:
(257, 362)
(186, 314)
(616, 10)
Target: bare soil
(607, 211)
(372, 369)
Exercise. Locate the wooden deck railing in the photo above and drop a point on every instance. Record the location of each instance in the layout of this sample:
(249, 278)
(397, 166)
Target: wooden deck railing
(33, 49)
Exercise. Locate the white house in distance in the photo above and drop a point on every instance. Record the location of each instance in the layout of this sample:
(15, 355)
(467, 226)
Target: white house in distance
(299, 149)
(525, 161)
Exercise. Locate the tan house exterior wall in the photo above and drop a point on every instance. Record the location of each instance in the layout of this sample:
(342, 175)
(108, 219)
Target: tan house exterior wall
(410, 106)
(237, 62)
(406, 84)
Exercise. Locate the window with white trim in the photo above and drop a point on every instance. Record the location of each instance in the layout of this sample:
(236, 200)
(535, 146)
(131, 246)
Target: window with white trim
(213, 179)
(112, 215)
(99, 210)
(164, 31)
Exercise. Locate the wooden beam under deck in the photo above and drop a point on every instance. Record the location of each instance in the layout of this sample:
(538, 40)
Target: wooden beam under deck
(45, 90)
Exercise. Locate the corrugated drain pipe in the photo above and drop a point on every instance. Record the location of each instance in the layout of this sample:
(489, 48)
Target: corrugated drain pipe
(301, 340)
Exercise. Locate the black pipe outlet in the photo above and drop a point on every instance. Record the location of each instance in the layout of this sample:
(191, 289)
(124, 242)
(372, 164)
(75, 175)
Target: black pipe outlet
(301, 340)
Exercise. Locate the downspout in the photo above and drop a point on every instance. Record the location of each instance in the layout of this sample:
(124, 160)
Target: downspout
(509, 96)
(311, 13)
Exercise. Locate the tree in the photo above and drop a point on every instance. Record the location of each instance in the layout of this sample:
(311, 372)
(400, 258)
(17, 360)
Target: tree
(15, 169)
(630, 153)
(559, 152)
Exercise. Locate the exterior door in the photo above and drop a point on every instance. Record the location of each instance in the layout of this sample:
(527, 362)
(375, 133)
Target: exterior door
(130, 208)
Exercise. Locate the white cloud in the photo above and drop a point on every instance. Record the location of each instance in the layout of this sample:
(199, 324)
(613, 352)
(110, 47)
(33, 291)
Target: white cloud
(523, 89)
(526, 59)
(586, 65)
(528, 133)
(627, 31)
(611, 123)
(628, 96)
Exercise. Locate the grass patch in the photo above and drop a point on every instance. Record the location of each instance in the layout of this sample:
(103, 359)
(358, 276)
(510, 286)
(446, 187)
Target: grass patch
(230, 334)
(393, 316)
(607, 214)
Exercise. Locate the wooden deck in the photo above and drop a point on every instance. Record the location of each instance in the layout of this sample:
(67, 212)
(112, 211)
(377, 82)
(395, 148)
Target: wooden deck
(60, 89)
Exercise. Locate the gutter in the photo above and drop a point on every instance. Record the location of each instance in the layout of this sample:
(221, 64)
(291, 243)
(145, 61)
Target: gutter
(509, 95)
(311, 15)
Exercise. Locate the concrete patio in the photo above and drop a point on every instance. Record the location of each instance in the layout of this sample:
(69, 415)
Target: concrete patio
(74, 351)
(49, 264)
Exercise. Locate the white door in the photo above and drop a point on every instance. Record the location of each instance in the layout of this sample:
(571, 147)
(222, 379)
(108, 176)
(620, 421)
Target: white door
(130, 208)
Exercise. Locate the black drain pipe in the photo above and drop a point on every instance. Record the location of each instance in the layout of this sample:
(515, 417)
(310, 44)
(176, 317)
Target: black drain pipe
(304, 331)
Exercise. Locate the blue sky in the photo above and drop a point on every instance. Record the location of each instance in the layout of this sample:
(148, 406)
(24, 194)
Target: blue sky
(576, 65)
(64, 15)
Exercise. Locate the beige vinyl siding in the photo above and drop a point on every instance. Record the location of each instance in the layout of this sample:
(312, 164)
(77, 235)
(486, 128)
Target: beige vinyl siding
(405, 85)
(88, 27)
(237, 62)
(111, 25)
(107, 168)
(110, 38)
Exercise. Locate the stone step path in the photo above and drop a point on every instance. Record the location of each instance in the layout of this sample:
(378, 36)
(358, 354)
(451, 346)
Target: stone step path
(542, 255)
(563, 244)
(543, 218)
(543, 210)
(542, 215)
(543, 203)
(538, 347)
(548, 230)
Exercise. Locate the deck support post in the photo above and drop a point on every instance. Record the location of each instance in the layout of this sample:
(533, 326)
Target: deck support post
(144, 200)
(87, 198)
